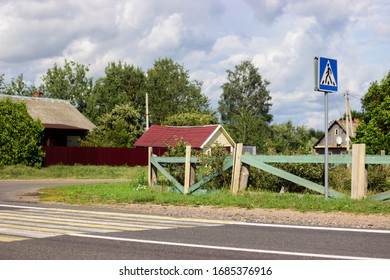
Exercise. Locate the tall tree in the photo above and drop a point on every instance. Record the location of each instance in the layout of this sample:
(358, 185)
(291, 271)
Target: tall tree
(245, 104)
(245, 91)
(119, 128)
(69, 82)
(123, 84)
(171, 91)
(374, 129)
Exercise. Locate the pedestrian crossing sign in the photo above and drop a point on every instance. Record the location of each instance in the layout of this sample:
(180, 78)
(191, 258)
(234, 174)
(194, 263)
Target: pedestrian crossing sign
(326, 78)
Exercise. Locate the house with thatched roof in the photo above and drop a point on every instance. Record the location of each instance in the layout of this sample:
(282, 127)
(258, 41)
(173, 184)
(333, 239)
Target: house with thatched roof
(64, 124)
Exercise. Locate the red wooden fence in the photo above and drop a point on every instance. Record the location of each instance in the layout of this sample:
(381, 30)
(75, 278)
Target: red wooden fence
(97, 156)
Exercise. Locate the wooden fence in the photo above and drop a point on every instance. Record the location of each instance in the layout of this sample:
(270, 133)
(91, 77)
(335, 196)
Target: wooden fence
(240, 170)
(97, 156)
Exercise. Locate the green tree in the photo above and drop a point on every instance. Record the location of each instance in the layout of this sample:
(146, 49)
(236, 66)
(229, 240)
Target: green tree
(119, 128)
(245, 91)
(251, 130)
(289, 139)
(171, 91)
(123, 84)
(244, 105)
(374, 129)
(354, 115)
(190, 119)
(69, 82)
(20, 135)
(17, 87)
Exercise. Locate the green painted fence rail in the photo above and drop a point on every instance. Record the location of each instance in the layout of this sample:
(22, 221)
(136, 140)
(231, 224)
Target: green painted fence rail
(332, 159)
(258, 163)
(156, 161)
(261, 162)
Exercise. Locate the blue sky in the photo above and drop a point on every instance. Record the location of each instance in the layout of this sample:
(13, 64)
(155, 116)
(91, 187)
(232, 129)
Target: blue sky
(208, 37)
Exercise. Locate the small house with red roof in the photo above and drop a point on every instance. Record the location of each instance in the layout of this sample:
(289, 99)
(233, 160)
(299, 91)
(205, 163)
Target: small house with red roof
(199, 137)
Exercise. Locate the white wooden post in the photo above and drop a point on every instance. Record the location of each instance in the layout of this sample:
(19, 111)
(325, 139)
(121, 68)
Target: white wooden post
(359, 175)
(150, 151)
(152, 171)
(236, 168)
(187, 169)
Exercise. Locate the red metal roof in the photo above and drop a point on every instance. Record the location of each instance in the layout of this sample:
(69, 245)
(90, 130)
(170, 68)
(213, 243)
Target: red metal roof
(158, 136)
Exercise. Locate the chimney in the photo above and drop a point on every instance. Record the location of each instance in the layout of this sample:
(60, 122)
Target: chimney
(38, 94)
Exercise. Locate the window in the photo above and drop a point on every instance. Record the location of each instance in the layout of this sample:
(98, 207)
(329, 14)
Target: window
(336, 131)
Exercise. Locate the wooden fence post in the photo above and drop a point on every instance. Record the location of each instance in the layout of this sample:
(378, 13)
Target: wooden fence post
(236, 168)
(152, 170)
(244, 176)
(359, 174)
(187, 170)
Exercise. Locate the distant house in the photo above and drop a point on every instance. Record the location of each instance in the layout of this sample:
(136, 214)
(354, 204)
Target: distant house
(337, 138)
(64, 124)
(199, 137)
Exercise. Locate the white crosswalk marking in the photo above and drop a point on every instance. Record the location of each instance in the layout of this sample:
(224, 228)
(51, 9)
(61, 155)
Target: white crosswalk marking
(20, 223)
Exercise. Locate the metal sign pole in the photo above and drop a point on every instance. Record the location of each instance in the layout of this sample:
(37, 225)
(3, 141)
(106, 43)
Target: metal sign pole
(325, 80)
(326, 153)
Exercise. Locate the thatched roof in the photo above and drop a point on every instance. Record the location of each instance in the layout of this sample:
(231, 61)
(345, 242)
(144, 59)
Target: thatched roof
(54, 113)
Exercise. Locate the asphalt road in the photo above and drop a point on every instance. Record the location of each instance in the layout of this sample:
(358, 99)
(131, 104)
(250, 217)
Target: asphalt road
(40, 231)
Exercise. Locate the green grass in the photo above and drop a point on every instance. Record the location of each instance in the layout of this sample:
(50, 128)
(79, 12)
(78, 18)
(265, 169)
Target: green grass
(20, 172)
(129, 193)
(135, 191)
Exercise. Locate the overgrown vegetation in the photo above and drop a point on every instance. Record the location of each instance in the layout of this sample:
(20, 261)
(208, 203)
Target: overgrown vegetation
(209, 163)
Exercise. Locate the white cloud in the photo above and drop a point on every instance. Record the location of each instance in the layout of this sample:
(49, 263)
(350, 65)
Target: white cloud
(207, 38)
(166, 34)
(229, 43)
(80, 49)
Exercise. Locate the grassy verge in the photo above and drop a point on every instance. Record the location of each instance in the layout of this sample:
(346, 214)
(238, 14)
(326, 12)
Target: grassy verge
(135, 191)
(20, 172)
(128, 193)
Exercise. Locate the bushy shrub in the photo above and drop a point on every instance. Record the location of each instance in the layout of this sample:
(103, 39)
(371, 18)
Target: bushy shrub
(265, 181)
(340, 178)
(176, 169)
(20, 135)
(213, 162)
(209, 163)
(378, 178)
